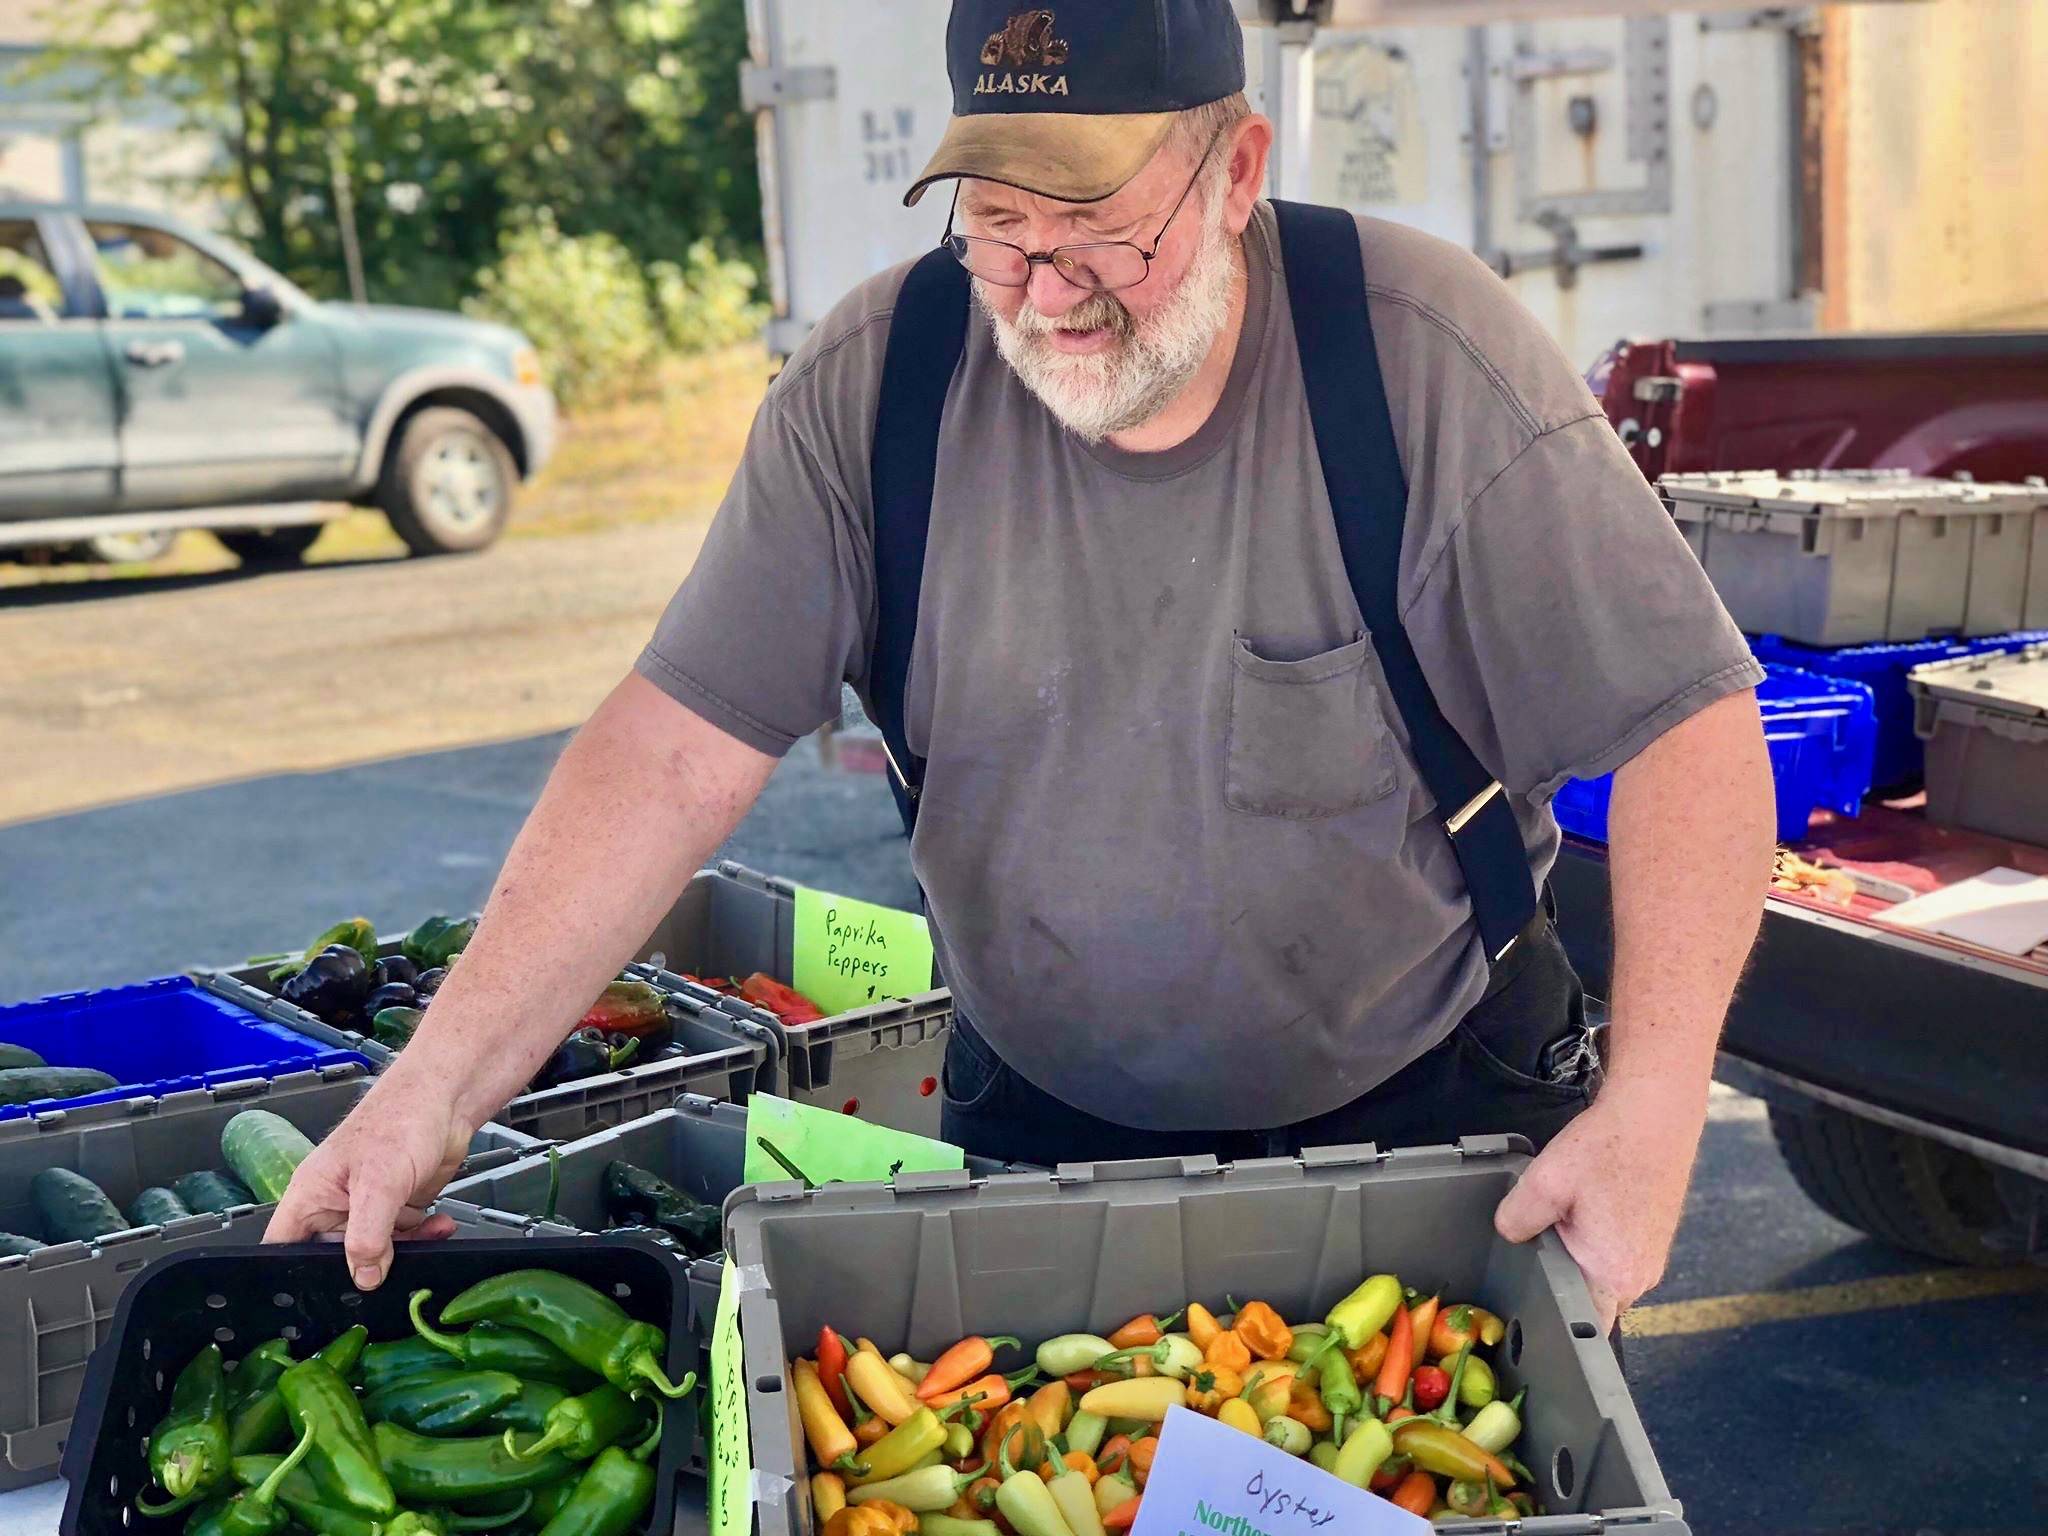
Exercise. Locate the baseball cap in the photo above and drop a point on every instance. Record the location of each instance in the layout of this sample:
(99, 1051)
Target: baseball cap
(1071, 101)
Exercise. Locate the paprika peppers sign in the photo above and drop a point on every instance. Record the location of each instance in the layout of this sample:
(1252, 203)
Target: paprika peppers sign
(849, 954)
(1208, 1479)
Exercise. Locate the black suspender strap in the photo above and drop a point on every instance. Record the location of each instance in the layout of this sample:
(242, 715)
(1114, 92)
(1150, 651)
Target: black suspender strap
(1354, 434)
(926, 336)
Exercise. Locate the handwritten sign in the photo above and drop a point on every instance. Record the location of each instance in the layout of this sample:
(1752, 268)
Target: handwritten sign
(1211, 1480)
(730, 1505)
(850, 953)
(823, 1145)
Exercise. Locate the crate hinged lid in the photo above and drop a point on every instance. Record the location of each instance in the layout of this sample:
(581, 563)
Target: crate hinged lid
(2002, 687)
(1766, 495)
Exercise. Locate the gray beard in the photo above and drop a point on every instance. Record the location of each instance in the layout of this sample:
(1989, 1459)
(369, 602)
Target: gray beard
(1149, 363)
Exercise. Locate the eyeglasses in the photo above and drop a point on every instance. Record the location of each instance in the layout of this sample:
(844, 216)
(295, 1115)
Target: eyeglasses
(1098, 266)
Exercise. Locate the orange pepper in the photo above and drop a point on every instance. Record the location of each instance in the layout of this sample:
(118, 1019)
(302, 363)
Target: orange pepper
(1416, 1493)
(1306, 1404)
(1202, 1326)
(1267, 1394)
(1367, 1358)
(1080, 1461)
(1142, 1330)
(1124, 1516)
(869, 1430)
(1115, 1451)
(1007, 1418)
(1228, 1349)
(1264, 1334)
(1142, 1452)
(1088, 1381)
(880, 1518)
(1050, 1407)
(1211, 1387)
(981, 1496)
(1423, 1317)
(994, 1392)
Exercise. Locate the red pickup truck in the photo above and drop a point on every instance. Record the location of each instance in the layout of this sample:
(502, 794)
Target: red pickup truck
(1904, 1072)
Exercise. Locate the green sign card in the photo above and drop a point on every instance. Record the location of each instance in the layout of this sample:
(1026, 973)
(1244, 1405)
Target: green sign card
(730, 1506)
(852, 953)
(824, 1146)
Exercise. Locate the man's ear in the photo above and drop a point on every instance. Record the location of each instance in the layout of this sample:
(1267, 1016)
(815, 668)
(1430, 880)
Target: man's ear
(1249, 146)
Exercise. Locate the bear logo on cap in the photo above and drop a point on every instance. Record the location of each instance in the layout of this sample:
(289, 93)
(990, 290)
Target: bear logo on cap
(1026, 42)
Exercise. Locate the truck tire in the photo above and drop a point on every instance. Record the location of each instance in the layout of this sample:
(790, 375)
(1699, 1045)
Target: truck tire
(1902, 1189)
(448, 484)
(129, 548)
(270, 546)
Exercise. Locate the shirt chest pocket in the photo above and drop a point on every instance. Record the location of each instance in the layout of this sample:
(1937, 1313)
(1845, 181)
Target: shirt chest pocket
(1307, 738)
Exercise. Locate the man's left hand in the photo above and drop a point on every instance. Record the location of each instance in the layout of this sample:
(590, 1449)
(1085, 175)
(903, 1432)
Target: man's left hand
(1613, 1184)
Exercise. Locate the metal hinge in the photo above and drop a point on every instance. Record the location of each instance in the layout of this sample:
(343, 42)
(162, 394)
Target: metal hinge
(764, 85)
(1561, 62)
(1658, 388)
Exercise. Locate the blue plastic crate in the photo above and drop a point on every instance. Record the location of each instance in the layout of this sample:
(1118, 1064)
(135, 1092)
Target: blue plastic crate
(1821, 732)
(154, 1038)
(1899, 754)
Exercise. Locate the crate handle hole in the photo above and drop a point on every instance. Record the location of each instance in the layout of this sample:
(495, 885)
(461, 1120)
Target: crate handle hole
(850, 1107)
(131, 1418)
(217, 1302)
(621, 1290)
(1585, 1331)
(114, 1486)
(1562, 1479)
(159, 1381)
(289, 1331)
(224, 1335)
(130, 1266)
(767, 1383)
(1515, 1342)
(281, 1300)
(148, 1348)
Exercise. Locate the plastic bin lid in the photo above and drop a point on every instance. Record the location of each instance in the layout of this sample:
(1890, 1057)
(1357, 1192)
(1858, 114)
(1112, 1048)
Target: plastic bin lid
(2011, 682)
(1844, 496)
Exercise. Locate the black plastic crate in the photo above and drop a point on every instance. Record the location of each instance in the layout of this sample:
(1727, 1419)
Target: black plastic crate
(238, 1297)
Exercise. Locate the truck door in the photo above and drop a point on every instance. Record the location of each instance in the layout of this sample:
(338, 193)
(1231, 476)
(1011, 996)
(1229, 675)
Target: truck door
(58, 451)
(215, 406)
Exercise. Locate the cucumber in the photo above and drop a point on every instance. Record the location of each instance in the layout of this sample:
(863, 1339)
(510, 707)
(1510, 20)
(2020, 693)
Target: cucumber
(13, 1245)
(19, 1056)
(24, 1085)
(265, 1149)
(211, 1190)
(155, 1206)
(73, 1208)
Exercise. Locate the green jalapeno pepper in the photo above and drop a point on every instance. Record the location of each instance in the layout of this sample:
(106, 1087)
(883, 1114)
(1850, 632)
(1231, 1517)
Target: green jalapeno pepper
(580, 1427)
(260, 1424)
(548, 1501)
(488, 1346)
(613, 1496)
(188, 1449)
(344, 1460)
(528, 1412)
(442, 1403)
(428, 1471)
(258, 1371)
(309, 1506)
(254, 1511)
(583, 1323)
(1341, 1393)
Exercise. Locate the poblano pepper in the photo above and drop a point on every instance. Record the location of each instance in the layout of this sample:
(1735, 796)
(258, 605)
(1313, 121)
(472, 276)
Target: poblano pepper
(344, 1460)
(423, 1470)
(635, 1197)
(489, 1346)
(443, 1402)
(310, 1507)
(260, 1423)
(580, 1427)
(188, 1449)
(584, 1323)
(613, 1496)
(254, 1511)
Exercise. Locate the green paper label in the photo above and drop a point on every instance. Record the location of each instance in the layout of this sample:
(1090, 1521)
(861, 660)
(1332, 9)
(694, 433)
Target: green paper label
(850, 953)
(827, 1146)
(730, 1505)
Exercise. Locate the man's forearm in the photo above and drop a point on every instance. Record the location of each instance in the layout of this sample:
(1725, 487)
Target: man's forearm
(638, 800)
(1690, 834)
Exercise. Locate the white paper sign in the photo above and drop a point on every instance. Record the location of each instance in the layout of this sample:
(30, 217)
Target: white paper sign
(1211, 1480)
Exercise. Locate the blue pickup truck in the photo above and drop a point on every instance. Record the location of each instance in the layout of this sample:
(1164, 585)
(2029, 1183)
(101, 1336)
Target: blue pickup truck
(153, 379)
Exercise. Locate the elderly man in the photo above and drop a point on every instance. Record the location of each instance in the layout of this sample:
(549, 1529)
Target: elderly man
(1234, 584)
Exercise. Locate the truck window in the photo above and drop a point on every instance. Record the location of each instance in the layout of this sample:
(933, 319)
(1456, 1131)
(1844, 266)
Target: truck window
(29, 290)
(147, 274)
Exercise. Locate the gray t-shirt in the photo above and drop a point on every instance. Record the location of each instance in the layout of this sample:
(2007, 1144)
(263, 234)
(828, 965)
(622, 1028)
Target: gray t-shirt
(1180, 866)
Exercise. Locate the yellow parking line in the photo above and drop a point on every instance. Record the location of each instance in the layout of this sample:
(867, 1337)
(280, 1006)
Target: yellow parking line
(1711, 1313)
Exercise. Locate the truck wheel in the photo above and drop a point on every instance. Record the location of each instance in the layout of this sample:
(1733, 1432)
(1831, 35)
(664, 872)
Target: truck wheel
(1902, 1189)
(448, 485)
(129, 548)
(271, 546)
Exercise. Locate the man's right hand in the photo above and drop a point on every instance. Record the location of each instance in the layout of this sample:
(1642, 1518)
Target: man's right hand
(372, 1176)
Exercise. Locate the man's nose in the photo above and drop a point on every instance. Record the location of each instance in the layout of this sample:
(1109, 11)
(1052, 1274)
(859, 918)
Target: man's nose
(1051, 294)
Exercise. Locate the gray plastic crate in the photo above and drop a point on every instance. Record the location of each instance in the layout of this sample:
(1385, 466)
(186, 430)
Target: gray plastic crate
(717, 1053)
(1849, 559)
(55, 1303)
(882, 1063)
(1089, 1245)
(2035, 614)
(1985, 721)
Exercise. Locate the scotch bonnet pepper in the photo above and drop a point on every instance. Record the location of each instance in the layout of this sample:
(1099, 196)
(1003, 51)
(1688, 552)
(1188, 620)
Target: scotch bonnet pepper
(583, 1323)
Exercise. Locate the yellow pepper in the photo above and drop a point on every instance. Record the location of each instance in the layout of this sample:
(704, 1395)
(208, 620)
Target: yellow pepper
(1211, 1387)
(1264, 1334)
(831, 1441)
(1050, 1407)
(1142, 1397)
(1202, 1326)
(828, 1496)
(1237, 1413)
(1267, 1393)
(1073, 1461)
(1368, 1357)
(879, 1386)
(1228, 1349)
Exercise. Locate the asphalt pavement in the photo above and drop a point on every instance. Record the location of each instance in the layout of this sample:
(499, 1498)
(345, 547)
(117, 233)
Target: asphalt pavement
(1795, 1377)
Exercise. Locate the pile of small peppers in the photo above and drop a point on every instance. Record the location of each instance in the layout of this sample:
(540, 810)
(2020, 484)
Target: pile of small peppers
(1390, 1392)
(534, 1407)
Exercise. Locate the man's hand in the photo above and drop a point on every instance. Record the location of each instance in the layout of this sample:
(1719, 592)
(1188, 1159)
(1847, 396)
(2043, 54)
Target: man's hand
(369, 1179)
(1613, 1184)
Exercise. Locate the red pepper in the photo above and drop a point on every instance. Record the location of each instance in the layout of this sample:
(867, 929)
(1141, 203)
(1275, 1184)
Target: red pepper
(1416, 1493)
(1124, 1516)
(832, 1369)
(1432, 1386)
(1393, 1378)
(970, 1358)
(1088, 1381)
(1389, 1476)
(785, 1002)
